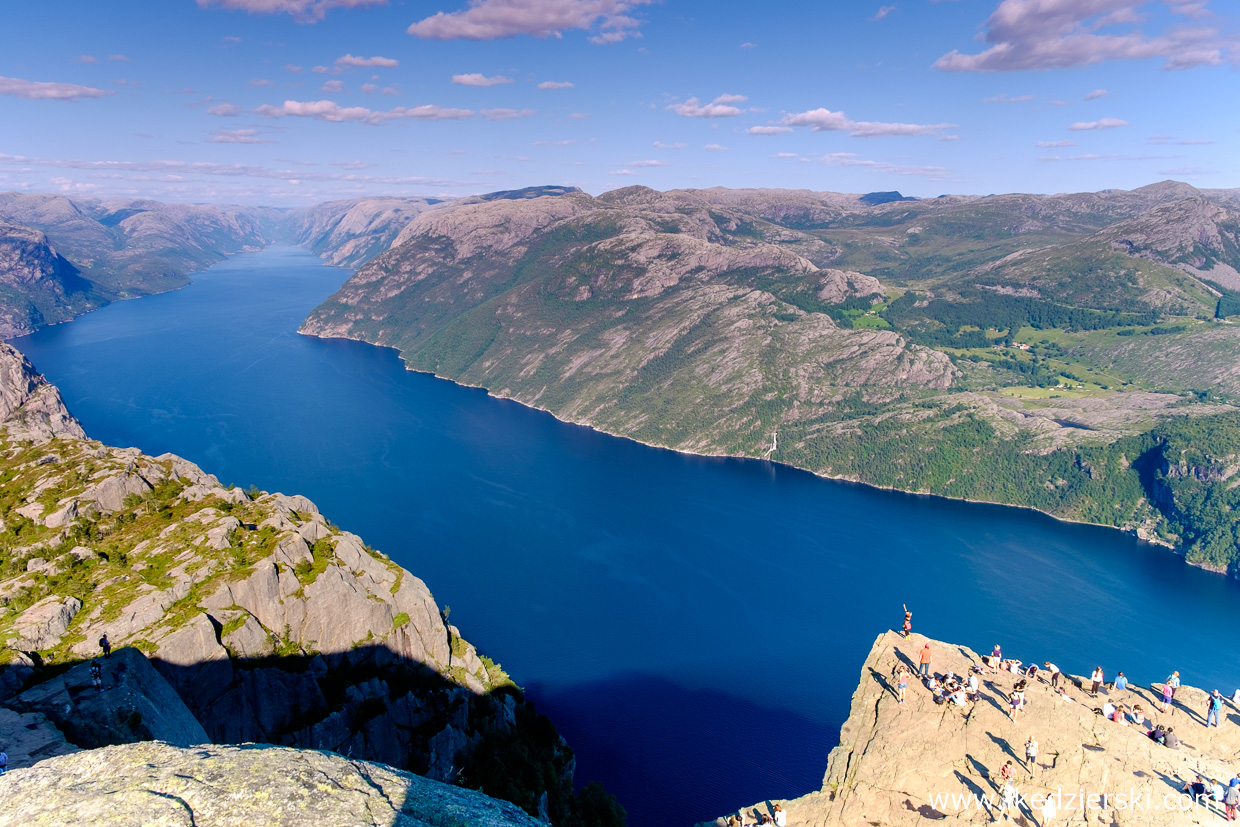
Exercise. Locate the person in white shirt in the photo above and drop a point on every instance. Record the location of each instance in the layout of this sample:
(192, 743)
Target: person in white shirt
(1054, 671)
(781, 817)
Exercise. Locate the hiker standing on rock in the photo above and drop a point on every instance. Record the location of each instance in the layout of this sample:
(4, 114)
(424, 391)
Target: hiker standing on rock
(1031, 756)
(1173, 680)
(1167, 694)
(96, 675)
(1097, 681)
(901, 684)
(923, 665)
(106, 646)
(907, 629)
(1213, 707)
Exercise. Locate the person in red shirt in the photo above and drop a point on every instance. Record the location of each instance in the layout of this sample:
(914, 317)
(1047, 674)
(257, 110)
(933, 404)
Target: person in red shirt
(923, 667)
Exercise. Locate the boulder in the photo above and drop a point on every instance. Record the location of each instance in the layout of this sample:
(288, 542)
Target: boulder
(254, 785)
(44, 624)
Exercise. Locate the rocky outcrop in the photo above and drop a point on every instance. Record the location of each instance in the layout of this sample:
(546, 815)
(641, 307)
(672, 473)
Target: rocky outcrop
(257, 785)
(907, 764)
(262, 621)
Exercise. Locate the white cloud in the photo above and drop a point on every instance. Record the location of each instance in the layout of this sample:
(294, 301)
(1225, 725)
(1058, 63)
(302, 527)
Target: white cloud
(569, 142)
(648, 163)
(223, 110)
(333, 112)
(716, 148)
(1168, 140)
(237, 136)
(1049, 144)
(1094, 95)
(579, 116)
(785, 155)
(88, 59)
(320, 70)
(623, 172)
(661, 145)
(767, 130)
(502, 114)
(824, 120)
(351, 62)
(718, 108)
(332, 86)
(1057, 34)
(555, 84)
(257, 83)
(119, 58)
(1003, 98)
(292, 67)
(231, 38)
(369, 88)
(40, 90)
(479, 79)
(303, 11)
(883, 11)
(748, 45)
(848, 159)
(495, 19)
(1103, 123)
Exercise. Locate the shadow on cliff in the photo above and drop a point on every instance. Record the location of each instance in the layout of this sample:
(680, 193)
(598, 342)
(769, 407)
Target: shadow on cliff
(368, 703)
(730, 753)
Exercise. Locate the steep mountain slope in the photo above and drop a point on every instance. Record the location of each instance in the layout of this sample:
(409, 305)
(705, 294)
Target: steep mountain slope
(270, 623)
(990, 366)
(110, 249)
(350, 233)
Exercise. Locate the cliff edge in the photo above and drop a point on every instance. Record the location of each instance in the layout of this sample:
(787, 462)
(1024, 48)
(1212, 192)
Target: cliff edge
(921, 761)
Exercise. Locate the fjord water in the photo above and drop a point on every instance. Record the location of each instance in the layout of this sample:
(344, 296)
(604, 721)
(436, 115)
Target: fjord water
(694, 627)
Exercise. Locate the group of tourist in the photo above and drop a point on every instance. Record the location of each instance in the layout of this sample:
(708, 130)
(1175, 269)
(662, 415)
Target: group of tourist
(952, 689)
(778, 817)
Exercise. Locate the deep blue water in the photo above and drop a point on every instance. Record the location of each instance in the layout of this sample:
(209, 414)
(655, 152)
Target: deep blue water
(694, 627)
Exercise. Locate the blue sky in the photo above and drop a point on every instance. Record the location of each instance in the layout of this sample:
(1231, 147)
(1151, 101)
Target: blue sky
(289, 102)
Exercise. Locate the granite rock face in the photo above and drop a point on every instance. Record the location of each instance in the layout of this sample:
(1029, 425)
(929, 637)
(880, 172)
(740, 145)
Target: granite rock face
(262, 621)
(254, 785)
(921, 762)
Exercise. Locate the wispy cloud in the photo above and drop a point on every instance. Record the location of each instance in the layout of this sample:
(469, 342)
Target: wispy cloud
(661, 145)
(785, 155)
(258, 83)
(1095, 95)
(848, 159)
(237, 136)
(224, 110)
(767, 130)
(1058, 34)
(1003, 98)
(332, 86)
(1105, 157)
(748, 45)
(1168, 140)
(333, 112)
(555, 84)
(647, 163)
(502, 114)
(720, 107)
(568, 142)
(824, 120)
(579, 116)
(118, 58)
(1049, 144)
(292, 67)
(88, 59)
(41, 90)
(883, 11)
(479, 79)
(716, 148)
(494, 19)
(623, 172)
(303, 11)
(351, 62)
(1102, 123)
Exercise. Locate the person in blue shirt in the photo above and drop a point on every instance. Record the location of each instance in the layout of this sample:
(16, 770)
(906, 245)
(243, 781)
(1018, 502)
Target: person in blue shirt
(1213, 707)
(1120, 681)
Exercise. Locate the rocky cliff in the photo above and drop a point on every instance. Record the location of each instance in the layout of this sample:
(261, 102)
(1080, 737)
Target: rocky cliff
(350, 233)
(267, 621)
(906, 764)
(209, 786)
